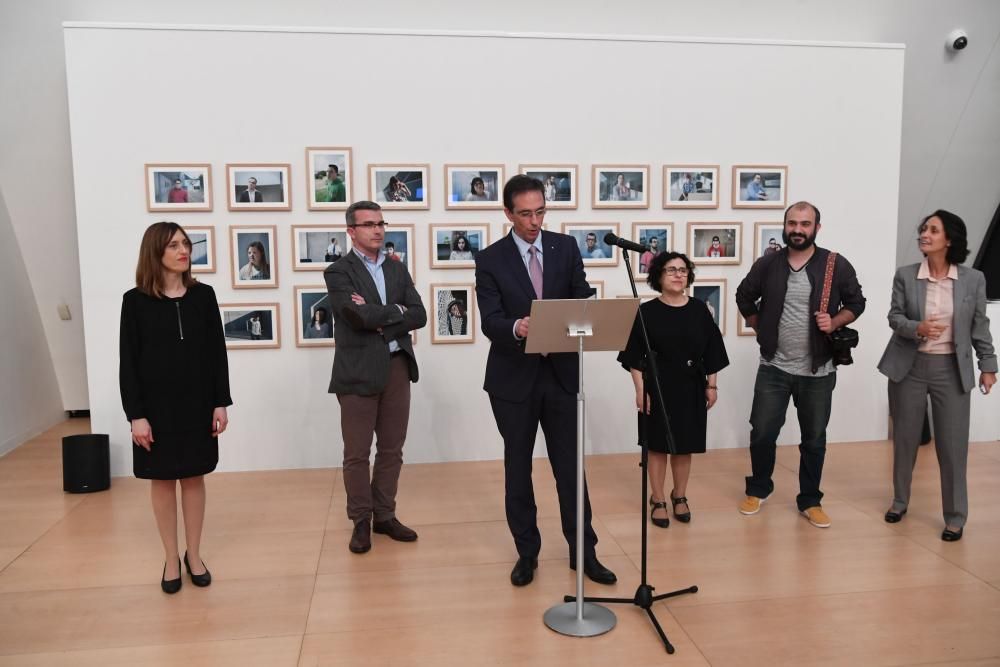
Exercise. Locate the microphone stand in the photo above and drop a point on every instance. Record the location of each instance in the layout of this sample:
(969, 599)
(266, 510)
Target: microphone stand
(644, 597)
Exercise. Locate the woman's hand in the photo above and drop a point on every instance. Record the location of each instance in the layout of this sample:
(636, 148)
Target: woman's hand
(986, 381)
(931, 329)
(711, 396)
(220, 420)
(142, 433)
(639, 395)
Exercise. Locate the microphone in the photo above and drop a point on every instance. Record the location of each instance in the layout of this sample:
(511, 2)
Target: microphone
(625, 244)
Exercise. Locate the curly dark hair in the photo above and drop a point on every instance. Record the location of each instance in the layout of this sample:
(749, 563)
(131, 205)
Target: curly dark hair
(658, 264)
(954, 231)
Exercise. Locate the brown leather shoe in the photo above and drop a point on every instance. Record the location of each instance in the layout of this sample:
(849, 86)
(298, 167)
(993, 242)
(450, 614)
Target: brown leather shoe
(361, 538)
(394, 529)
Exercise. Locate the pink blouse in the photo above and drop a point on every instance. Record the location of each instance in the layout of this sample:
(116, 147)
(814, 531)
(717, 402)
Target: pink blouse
(940, 305)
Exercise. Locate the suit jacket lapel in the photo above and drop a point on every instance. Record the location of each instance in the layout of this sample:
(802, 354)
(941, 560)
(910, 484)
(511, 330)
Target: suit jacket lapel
(959, 287)
(921, 297)
(363, 278)
(518, 268)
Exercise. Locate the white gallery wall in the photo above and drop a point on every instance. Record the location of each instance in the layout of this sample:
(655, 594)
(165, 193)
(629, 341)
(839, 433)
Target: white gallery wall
(141, 94)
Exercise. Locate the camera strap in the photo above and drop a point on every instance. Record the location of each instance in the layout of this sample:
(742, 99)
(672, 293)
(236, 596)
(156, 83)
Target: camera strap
(824, 299)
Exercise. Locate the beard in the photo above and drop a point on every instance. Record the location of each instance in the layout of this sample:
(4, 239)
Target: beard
(798, 241)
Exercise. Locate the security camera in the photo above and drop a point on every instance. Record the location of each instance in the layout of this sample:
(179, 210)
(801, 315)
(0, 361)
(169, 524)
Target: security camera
(957, 40)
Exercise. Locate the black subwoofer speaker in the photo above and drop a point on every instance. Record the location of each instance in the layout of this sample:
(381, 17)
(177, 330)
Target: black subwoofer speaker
(86, 463)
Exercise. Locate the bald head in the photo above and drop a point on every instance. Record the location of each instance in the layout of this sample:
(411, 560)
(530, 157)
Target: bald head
(799, 206)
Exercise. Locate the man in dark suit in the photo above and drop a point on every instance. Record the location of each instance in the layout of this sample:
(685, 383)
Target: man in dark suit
(375, 307)
(528, 389)
(251, 195)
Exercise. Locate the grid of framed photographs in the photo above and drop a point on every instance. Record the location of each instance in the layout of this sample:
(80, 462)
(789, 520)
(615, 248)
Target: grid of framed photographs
(179, 187)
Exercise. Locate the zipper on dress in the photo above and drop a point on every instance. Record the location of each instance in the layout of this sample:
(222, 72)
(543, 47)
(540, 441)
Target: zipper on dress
(180, 326)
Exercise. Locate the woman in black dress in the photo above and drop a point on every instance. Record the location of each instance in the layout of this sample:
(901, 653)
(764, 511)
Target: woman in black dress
(174, 379)
(689, 352)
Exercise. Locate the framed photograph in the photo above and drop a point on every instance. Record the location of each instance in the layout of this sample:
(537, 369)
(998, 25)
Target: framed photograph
(559, 181)
(313, 317)
(712, 291)
(715, 242)
(330, 179)
(759, 186)
(259, 187)
(250, 325)
(767, 238)
(314, 247)
(477, 186)
(202, 249)
(620, 185)
(253, 256)
(690, 186)
(599, 286)
(741, 326)
(398, 245)
(453, 313)
(400, 185)
(178, 187)
(456, 246)
(659, 236)
(590, 238)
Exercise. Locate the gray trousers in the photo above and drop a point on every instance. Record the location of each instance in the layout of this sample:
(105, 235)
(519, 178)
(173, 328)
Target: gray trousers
(935, 375)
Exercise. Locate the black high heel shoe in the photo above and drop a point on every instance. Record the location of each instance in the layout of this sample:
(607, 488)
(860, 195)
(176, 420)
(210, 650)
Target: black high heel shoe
(894, 517)
(682, 517)
(200, 580)
(659, 523)
(172, 586)
(952, 535)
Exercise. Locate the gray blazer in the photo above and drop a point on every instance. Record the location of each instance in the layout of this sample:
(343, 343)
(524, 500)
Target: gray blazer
(361, 360)
(970, 326)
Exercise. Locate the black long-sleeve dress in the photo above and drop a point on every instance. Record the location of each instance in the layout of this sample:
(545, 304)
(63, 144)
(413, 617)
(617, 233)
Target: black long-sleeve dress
(173, 371)
(688, 346)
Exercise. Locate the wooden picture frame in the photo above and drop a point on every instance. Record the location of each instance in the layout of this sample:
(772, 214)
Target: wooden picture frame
(325, 166)
(400, 186)
(702, 246)
(713, 293)
(559, 180)
(660, 234)
(691, 186)
(764, 233)
(601, 254)
(445, 251)
(620, 185)
(238, 327)
(311, 246)
(460, 181)
(446, 327)
(192, 182)
(244, 274)
(271, 181)
(760, 186)
(202, 246)
(309, 300)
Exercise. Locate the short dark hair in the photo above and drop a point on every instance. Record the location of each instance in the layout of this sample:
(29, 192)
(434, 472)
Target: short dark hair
(801, 204)
(363, 205)
(520, 184)
(390, 244)
(476, 179)
(335, 168)
(659, 263)
(954, 231)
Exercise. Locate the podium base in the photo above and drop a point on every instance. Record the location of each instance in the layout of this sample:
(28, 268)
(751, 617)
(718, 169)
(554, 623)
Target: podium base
(596, 620)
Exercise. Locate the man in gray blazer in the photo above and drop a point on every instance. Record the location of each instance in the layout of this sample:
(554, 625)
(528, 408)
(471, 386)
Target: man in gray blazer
(375, 308)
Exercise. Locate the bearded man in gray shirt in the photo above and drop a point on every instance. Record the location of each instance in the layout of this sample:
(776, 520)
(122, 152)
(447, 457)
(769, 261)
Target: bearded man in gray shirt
(780, 299)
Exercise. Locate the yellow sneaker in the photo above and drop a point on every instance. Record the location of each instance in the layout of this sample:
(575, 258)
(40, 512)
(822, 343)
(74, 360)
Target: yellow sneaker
(817, 516)
(751, 505)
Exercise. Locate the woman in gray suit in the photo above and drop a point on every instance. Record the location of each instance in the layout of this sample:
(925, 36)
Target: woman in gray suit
(938, 317)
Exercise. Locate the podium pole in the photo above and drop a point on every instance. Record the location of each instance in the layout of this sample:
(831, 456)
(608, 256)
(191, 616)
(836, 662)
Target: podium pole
(580, 618)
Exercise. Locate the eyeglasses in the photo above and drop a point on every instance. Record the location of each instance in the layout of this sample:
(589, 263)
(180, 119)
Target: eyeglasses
(528, 215)
(371, 225)
(674, 271)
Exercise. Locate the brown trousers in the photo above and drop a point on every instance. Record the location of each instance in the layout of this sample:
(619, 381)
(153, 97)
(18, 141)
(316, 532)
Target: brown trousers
(385, 416)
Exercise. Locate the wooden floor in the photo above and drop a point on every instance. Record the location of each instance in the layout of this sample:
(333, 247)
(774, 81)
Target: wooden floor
(79, 574)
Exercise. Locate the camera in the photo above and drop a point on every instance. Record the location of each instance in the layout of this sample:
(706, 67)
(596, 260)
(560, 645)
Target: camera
(957, 40)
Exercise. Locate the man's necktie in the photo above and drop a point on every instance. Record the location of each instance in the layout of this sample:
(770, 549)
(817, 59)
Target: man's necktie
(535, 271)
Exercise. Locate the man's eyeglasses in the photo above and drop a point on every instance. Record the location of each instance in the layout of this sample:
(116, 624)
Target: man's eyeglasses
(371, 225)
(674, 271)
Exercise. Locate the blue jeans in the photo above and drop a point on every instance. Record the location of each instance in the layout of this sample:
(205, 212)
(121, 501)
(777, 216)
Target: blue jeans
(813, 397)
